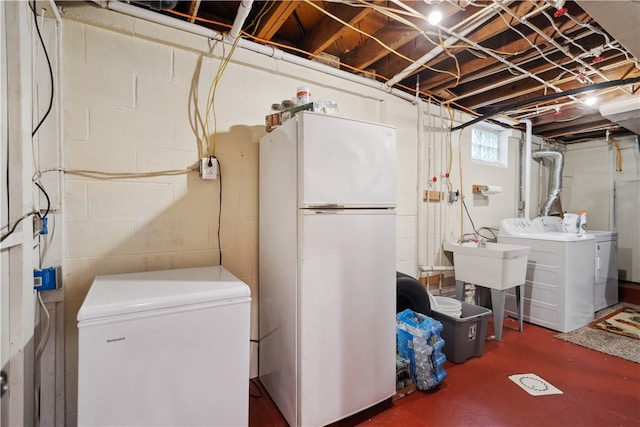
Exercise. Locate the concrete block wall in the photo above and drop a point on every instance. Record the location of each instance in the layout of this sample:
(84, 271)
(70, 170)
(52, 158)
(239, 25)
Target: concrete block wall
(134, 96)
(134, 100)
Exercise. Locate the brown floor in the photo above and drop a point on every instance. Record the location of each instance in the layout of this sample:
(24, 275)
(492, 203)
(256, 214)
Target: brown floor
(598, 389)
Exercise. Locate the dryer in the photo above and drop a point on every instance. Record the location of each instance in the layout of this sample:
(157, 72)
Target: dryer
(606, 263)
(560, 278)
(605, 291)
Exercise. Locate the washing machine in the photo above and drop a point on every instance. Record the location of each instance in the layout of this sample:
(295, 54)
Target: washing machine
(605, 291)
(560, 278)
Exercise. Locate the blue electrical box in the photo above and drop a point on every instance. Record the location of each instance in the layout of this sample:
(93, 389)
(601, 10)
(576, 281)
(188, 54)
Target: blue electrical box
(46, 279)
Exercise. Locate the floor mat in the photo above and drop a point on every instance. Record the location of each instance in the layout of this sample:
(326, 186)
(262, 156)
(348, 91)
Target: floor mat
(625, 321)
(534, 385)
(604, 342)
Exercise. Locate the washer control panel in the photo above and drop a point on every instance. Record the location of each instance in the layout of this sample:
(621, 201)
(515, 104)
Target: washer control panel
(546, 224)
(516, 226)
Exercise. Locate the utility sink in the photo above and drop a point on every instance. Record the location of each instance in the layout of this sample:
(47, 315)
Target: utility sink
(493, 265)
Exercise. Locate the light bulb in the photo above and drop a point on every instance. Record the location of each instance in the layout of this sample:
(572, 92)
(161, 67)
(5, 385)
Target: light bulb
(591, 100)
(434, 17)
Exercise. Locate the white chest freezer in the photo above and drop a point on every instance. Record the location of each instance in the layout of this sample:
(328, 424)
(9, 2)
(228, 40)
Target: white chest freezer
(165, 348)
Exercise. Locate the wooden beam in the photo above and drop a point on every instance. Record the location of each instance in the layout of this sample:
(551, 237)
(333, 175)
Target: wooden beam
(328, 30)
(275, 18)
(194, 6)
(370, 51)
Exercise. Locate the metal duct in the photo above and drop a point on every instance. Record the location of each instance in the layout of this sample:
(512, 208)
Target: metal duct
(555, 177)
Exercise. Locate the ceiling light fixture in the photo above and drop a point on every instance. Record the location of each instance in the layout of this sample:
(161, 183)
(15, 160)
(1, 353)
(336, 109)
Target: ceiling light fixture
(591, 100)
(435, 16)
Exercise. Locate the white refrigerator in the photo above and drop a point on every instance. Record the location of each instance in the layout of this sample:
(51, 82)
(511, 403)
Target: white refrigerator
(327, 261)
(165, 348)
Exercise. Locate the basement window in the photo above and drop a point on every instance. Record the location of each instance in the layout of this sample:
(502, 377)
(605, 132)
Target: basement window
(489, 146)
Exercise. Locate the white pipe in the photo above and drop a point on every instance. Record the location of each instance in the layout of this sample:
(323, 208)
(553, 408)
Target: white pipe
(527, 167)
(158, 18)
(428, 268)
(55, 11)
(560, 48)
(495, 56)
(440, 48)
(270, 51)
(420, 249)
(241, 16)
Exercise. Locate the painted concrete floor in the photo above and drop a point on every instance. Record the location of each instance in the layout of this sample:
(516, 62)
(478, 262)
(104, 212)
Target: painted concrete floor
(598, 389)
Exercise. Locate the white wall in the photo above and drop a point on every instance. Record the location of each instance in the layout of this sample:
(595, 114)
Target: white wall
(626, 208)
(611, 197)
(588, 182)
(132, 91)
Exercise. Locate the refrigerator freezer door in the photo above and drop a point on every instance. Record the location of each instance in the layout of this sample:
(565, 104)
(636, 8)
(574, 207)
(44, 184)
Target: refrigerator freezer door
(346, 301)
(345, 162)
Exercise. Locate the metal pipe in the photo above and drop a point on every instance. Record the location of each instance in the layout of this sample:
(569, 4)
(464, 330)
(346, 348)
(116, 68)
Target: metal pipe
(555, 177)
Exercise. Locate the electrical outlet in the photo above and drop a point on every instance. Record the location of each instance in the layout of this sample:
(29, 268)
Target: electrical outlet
(208, 168)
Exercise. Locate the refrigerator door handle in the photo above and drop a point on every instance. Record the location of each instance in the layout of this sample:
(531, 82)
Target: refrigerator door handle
(325, 206)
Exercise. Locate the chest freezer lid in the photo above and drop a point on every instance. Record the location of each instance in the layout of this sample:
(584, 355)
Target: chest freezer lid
(119, 294)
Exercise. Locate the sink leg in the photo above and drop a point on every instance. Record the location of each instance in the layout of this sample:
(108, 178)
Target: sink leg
(520, 303)
(497, 305)
(459, 290)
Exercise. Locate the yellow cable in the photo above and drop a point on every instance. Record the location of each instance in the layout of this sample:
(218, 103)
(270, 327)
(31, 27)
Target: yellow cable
(618, 155)
(393, 13)
(347, 66)
(123, 175)
(381, 43)
(224, 62)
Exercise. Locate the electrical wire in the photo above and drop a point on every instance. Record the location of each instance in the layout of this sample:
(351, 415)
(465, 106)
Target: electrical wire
(211, 151)
(220, 214)
(48, 201)
(266, 7)
(474, 226)
(13, 229)
(121, 175)
(549, 97)
(311, 55)
(45, 335)
(395, 14)
(375, 39)
(46, 54)
(534, 46)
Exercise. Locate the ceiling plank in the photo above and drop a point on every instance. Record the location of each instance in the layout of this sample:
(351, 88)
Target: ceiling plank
(275, 18)
(371, 51)
(485, 32)
(328, 30)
